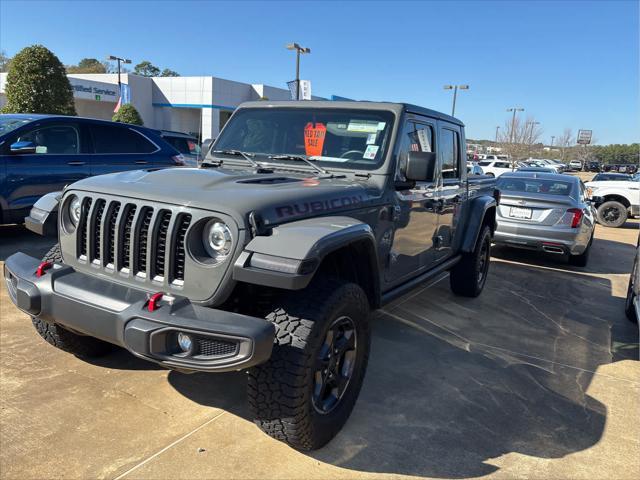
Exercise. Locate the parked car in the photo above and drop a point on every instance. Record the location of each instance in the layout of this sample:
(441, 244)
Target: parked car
(615, 200)
(270, 256)
(548, 212)
(536, 169)
(632, 303)
(186, 144)
(601, 177)
(495, 168)
(575, 165)
(593, 166)
(44, 153)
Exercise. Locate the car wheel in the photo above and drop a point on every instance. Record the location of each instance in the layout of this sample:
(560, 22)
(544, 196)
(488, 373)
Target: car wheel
(612, 214)
(629, 307)
(305, 392)
(60, 337)
(469, 275)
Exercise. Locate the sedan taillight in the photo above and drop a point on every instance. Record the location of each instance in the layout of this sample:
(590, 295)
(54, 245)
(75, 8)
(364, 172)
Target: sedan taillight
(577, 217)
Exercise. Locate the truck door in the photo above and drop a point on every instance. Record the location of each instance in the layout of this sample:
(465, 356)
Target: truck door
(451, 190)
(415, 211)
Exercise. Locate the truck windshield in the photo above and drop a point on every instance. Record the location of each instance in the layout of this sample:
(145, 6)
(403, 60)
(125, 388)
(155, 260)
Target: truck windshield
(339, 138)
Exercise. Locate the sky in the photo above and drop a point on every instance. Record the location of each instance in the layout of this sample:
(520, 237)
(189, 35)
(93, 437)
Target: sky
(569, 64)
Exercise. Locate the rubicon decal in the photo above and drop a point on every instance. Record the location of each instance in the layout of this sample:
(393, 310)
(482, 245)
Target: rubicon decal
(303, 208)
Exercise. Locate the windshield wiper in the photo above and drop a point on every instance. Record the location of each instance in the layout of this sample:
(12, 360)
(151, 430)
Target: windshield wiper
(247, 156)
(302, 158)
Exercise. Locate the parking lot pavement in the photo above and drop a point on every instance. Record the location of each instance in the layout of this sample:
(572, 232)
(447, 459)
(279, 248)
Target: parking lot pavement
(536, 378)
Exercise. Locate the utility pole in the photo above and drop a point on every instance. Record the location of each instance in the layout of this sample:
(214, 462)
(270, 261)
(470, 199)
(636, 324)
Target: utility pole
(119, 60)
(497, 129)
(455, 95)
(512, 135)
(299, 50)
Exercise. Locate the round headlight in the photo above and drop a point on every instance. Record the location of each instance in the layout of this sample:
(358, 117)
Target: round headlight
(75, 206)
(217, 239)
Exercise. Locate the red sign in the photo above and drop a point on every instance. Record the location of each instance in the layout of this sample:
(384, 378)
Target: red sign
(314, 139)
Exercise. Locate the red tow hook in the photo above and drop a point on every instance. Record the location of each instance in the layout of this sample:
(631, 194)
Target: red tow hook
(42, 268)
(154, 300)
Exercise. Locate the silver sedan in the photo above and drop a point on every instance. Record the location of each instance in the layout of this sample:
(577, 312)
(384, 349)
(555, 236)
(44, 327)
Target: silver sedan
(545, 212)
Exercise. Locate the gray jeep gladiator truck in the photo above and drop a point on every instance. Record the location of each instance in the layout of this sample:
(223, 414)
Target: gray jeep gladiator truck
(303, 217)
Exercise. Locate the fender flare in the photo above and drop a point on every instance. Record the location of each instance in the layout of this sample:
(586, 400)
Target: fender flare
(43, 217)
(290, 256)
(480, 207)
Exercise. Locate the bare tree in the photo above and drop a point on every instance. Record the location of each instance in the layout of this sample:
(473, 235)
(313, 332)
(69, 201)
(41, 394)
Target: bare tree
(564, 142)
(519, 136)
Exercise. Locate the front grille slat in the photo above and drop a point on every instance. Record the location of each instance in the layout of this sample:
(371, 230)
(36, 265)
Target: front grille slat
(131, 239)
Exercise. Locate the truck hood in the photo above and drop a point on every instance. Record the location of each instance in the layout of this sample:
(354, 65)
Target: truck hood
(276, 197)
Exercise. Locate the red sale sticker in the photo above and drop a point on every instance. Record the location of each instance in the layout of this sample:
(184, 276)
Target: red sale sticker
(314, 139)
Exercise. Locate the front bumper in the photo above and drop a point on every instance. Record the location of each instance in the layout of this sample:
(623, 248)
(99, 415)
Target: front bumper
(222, 341)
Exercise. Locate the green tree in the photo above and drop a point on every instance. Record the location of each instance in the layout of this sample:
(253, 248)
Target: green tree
(128, 114)
(146, 69)
(37, 83)
(87, 65)
(169, 73)
(4, 61)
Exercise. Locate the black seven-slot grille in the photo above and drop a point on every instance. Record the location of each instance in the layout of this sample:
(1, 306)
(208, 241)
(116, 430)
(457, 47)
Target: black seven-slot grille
(145, 241)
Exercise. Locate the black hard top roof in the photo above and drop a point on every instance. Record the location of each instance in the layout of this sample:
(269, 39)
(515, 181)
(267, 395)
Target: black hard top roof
(397, 108)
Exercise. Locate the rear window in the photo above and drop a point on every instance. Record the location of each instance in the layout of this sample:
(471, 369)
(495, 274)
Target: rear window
(534, 185)
(185, 146)
(108, 139)
(484, 164)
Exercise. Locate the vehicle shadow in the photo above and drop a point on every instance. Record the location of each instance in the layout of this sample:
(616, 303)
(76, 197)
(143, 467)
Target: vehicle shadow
(16, 238)
(606, 257)
(455, 382)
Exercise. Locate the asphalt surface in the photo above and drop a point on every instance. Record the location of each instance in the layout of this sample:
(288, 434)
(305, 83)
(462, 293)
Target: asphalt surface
(537, 378)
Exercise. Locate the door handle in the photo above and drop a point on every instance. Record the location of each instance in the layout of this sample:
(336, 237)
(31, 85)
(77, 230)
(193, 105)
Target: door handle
(141, 162)
(76, 163)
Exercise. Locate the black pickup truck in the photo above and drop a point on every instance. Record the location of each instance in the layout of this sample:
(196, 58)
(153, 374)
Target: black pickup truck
(303, 218)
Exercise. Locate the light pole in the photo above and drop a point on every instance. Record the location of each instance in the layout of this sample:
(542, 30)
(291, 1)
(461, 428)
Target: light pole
(497, 129)
(513, 122)
(119, 60)
(530, 130)
(553, 137)
(299, 50)
(455, 94)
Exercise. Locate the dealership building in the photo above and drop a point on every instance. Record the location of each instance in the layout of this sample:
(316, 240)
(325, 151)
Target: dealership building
(184, 104)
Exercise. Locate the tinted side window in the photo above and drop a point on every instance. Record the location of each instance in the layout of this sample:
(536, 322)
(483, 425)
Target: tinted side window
(54, 139)
(416, 137)
(108, 139)
(179, 143)
(450, 153)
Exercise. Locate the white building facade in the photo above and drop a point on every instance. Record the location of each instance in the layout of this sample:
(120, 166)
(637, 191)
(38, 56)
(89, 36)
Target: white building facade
(196, 105)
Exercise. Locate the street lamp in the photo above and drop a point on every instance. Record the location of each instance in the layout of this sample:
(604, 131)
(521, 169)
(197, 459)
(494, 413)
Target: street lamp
(119, 60)
(497, 129)
(455, 94)
(513, 121)
(553, 137)
(530, 130)
(299, 50)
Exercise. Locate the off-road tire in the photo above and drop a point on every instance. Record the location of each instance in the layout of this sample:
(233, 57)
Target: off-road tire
(582, 259)
(280, 391)
(464, 277)
(612, 204)
(59, 337)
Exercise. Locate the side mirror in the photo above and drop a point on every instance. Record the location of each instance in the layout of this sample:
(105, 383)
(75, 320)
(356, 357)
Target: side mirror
(23, 147)
(421, 166)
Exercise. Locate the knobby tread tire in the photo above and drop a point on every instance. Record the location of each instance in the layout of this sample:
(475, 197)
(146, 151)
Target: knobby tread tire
(63, 339)
(463, 276)
(279, 391)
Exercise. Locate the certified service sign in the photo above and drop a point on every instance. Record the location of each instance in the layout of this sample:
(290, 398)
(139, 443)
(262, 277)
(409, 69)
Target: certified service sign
(584, 137)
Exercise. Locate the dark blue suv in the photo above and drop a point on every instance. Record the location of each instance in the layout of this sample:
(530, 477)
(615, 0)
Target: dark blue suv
(43, 153)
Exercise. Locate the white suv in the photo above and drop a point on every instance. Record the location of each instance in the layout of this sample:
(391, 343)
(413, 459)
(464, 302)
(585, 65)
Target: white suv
(495, 168)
